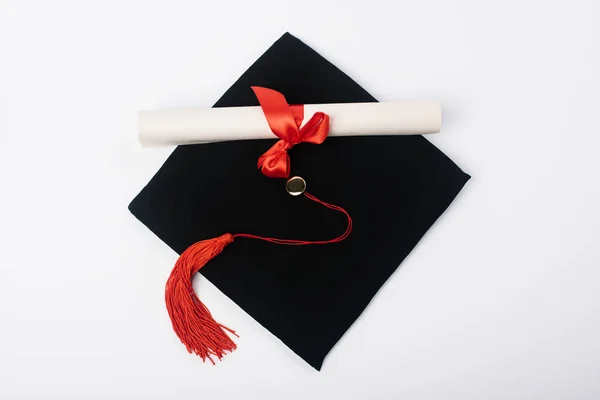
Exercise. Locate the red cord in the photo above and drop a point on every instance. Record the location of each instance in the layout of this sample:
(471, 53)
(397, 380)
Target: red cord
(192, 322)
(292, 242)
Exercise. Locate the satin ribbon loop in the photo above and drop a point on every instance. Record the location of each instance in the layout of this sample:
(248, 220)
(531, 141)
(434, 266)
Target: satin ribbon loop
(285, 121)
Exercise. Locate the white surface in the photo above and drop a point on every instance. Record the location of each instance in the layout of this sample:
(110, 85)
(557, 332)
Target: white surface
(501, 298)
(202, 125)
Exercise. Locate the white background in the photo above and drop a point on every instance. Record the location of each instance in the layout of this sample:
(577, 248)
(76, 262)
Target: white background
(499, 300)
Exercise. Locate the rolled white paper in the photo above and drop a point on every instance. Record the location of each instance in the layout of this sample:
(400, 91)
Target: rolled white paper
(201, 125)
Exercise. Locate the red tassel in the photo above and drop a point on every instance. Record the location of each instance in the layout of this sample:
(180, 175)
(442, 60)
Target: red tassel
(192, 322)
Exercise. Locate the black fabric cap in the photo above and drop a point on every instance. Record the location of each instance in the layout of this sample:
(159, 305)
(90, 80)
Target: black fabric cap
(394, 188)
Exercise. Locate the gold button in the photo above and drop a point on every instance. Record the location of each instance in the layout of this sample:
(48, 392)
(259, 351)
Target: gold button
(295, 186)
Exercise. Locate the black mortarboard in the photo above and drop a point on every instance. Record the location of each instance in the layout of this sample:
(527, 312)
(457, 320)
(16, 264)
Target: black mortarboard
(394, 187)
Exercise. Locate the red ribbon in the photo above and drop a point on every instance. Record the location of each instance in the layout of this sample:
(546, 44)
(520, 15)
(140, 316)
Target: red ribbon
(284, 121)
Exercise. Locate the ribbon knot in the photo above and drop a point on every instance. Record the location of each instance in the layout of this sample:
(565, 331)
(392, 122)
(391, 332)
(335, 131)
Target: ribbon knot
(285, 121)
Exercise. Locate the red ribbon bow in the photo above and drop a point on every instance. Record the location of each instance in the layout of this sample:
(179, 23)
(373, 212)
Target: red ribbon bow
(285, 121)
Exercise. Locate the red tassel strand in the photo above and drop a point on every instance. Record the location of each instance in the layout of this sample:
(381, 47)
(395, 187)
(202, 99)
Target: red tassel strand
(192, 322)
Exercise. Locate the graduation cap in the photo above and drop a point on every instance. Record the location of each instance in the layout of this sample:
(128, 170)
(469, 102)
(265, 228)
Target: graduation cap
(371, 200)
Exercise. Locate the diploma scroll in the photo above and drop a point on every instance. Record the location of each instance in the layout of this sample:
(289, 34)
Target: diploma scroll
(202, 125)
